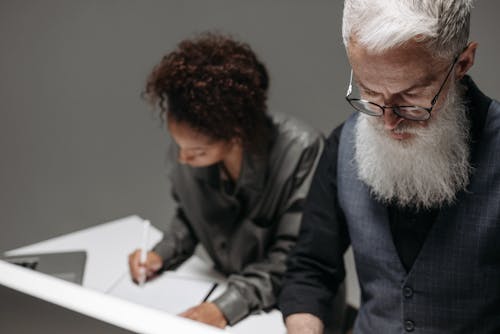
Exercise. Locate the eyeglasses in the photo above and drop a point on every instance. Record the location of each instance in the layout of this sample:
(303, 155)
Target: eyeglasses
(412, 113)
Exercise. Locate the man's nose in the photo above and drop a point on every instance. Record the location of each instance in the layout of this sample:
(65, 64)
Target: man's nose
(391, 119)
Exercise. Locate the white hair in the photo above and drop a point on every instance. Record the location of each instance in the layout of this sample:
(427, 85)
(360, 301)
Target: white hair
(425, 172)
(380, 25)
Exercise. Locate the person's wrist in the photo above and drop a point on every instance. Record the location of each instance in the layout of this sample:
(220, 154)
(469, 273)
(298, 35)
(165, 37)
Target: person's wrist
(303, 323)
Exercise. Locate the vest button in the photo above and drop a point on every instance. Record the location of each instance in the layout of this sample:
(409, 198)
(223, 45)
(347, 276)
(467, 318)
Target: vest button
(409, 326)
(407, 292)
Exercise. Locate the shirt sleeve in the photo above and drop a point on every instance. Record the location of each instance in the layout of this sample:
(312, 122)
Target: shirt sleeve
(256, 286)
(178, 242)
(315, 267)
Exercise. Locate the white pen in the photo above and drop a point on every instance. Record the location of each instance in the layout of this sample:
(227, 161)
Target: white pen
(144, 249)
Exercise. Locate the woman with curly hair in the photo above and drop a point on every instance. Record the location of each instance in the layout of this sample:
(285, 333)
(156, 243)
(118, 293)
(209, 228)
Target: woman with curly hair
(239, 175)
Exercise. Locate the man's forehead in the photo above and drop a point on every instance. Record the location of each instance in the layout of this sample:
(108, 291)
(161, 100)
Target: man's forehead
(408, 53)
(371, 74)
(408, 66)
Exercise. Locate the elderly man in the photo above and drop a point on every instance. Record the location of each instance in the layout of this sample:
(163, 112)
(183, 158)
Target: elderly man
(411, 181)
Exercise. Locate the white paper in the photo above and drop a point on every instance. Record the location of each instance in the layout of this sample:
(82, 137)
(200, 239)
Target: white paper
(168, 292)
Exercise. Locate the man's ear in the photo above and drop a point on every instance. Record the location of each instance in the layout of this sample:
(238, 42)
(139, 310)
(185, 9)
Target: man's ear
(466, 60)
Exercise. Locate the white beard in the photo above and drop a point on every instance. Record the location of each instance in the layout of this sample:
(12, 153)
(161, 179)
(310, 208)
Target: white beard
(424, 171)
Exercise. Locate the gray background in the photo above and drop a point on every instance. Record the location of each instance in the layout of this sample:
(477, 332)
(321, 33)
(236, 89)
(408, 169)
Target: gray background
(79, 147)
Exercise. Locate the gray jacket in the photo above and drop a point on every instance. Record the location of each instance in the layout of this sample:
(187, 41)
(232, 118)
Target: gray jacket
(248, 230)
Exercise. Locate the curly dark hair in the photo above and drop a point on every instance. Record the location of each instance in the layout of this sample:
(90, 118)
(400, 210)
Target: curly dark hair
(217, 86)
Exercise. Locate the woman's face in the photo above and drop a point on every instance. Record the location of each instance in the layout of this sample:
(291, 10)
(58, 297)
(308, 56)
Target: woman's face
(195, 148)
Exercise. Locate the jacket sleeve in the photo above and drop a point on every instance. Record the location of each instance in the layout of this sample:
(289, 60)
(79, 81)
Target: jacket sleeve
(256, 287)
(178, 242)
(315, 266)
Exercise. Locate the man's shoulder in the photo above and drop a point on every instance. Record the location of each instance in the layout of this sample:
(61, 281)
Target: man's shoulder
(334, 136)
(333, 141)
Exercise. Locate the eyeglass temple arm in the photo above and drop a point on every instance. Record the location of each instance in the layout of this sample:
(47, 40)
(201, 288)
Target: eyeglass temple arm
(349, 88)
(434, 100)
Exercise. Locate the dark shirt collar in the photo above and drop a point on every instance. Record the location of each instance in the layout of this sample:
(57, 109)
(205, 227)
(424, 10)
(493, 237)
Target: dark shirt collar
(253, 172)
(477, 109)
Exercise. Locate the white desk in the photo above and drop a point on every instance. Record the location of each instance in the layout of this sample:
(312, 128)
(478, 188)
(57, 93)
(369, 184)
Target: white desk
(108, 246)
(121, 313)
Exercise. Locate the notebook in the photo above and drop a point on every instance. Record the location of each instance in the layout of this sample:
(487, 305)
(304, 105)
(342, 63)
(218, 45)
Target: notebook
(168, 292)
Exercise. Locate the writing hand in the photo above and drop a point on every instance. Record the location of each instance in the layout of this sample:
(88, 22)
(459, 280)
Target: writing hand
(142, 271)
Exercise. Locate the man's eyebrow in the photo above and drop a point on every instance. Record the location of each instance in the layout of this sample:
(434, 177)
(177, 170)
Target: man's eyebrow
(197, 148)
(423, 83)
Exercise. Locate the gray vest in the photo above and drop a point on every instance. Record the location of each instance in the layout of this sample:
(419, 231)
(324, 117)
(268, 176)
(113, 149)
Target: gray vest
(454, 284)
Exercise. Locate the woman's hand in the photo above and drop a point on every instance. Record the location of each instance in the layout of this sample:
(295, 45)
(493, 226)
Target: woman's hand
(140, 272)
(207, 313)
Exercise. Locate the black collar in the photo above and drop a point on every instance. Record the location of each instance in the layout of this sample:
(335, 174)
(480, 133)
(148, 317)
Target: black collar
(477, 109)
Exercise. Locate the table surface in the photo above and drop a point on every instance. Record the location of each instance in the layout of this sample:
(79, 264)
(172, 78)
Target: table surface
(108, 245)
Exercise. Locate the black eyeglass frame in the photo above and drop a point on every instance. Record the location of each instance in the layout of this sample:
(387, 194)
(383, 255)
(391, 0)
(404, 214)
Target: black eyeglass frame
(396, 109)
